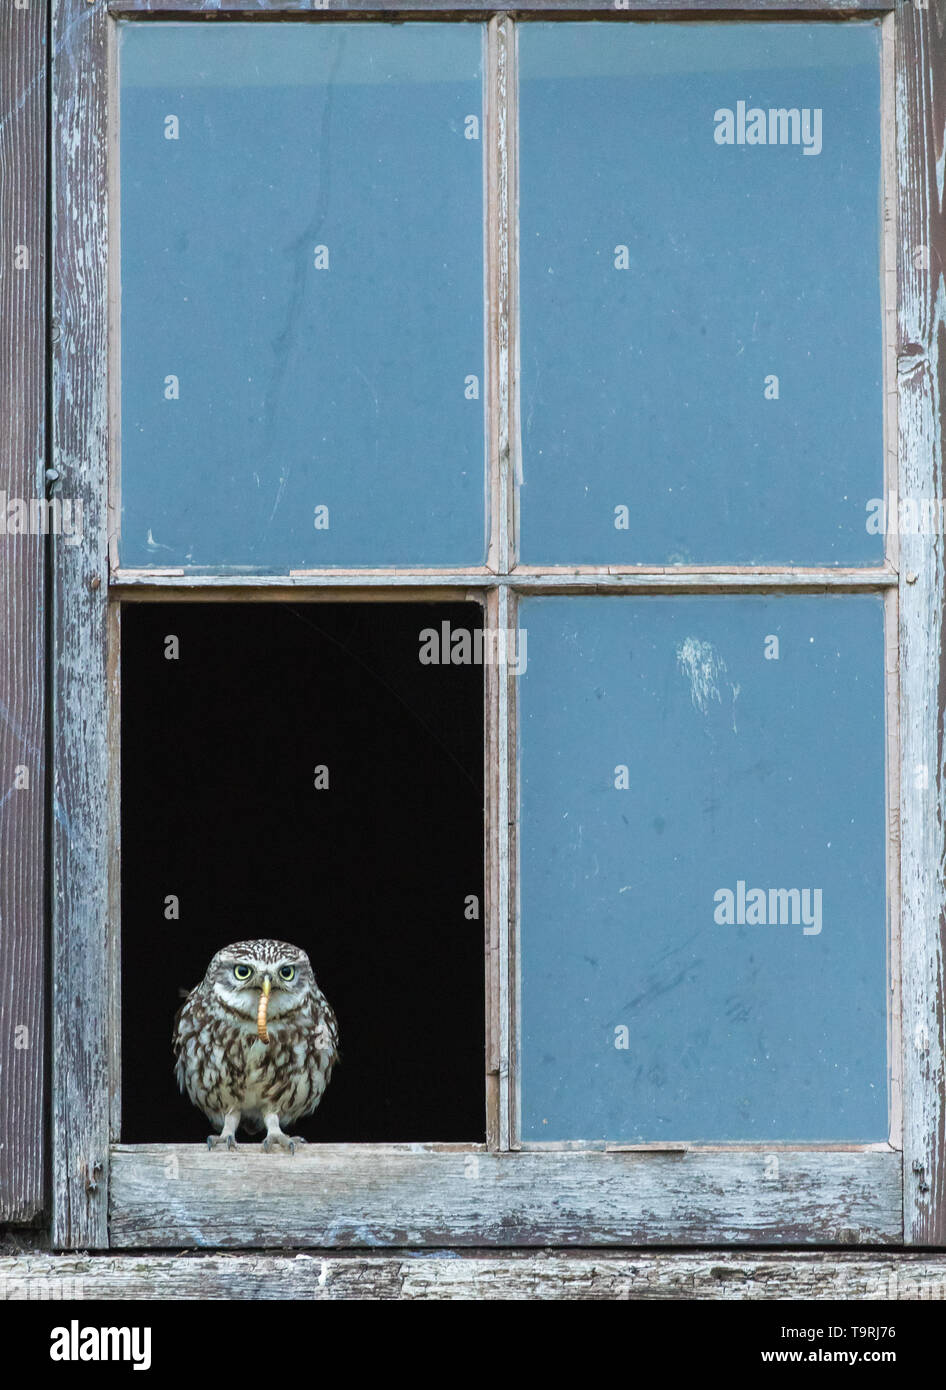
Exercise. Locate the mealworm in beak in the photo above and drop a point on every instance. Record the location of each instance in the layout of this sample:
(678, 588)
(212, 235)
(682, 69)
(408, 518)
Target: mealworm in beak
(261, 1032)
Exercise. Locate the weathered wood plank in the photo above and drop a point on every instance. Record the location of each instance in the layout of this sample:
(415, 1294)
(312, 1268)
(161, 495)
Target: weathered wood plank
(604, 8)
(369, 1195)
(569, 1275)
(141, 585)
(80, 582)
(921, 118)
(493, 826)
(506, 974)
(22, 469)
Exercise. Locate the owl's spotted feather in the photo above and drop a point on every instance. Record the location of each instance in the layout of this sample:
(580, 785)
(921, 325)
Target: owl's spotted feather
(224, 1067)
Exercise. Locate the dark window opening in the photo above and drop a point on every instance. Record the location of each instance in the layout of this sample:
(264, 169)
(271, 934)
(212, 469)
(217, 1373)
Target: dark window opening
(377, 875)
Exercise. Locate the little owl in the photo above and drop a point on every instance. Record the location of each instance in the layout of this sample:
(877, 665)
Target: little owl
(256, 1042)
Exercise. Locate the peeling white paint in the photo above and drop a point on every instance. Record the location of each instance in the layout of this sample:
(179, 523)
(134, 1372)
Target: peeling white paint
(152, 544)
(703, 667)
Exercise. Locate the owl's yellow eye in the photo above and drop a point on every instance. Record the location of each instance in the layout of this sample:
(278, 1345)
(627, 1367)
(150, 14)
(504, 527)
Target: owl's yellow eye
(242, 972)
(287, 972)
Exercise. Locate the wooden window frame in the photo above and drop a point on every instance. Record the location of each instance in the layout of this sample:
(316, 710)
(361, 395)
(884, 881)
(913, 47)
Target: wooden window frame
(502, 1193)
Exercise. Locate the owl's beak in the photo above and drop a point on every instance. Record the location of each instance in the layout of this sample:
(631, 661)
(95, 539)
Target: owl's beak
(261, 1032)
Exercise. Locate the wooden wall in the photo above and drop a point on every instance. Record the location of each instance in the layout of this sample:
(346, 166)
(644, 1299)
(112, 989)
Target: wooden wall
(549, 1276)
(23, 265)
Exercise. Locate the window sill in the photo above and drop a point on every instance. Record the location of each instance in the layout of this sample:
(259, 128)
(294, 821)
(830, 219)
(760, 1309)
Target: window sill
(378, 1195)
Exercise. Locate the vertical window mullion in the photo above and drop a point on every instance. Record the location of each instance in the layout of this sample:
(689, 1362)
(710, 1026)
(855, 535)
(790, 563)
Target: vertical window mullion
(501, 271)
(500, 217)
(513, 432)
(888, 99)
(888, 110)
(501, 1121)
(493, 843)
(504, 868)
(511, 826)
(894, 974)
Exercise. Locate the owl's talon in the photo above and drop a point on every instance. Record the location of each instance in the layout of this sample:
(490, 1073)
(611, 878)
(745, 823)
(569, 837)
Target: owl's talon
(277, 1140)
(216, 1141)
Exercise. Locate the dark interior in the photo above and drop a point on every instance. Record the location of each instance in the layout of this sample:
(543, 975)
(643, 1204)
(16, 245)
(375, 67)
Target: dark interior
(370, 876)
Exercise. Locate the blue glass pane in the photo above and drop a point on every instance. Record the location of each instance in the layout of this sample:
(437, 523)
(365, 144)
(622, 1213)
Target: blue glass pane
(703, 909)
(700, 293)
(302, 295)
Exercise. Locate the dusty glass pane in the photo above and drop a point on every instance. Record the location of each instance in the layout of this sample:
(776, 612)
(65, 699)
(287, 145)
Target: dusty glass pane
(701, 293)
(703, 928)
(302, 295)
